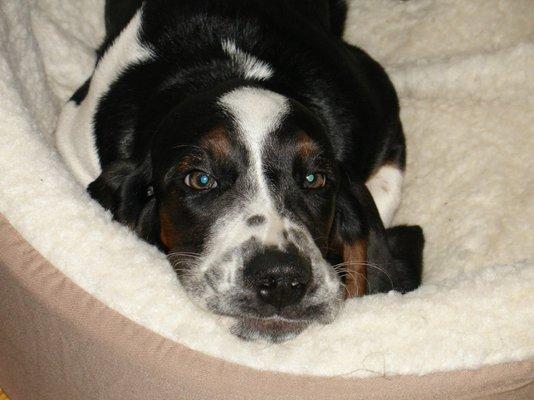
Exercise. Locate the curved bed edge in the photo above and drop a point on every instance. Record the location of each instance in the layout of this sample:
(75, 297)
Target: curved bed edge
(57, 341)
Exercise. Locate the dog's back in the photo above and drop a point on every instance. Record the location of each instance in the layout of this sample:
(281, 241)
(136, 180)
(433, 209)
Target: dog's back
(330, 14)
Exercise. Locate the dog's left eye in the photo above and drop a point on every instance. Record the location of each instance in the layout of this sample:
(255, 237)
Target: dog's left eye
(314, 180)
(200, 180)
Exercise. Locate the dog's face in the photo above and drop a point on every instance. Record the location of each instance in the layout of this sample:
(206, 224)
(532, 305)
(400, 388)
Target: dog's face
(255, 213)
(247, 202)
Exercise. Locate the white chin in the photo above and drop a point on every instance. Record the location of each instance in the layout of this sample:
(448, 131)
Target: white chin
(268, 329)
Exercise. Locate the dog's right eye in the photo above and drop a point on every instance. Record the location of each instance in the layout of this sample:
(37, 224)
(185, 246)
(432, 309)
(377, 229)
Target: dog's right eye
(200, 180)
(314, 180)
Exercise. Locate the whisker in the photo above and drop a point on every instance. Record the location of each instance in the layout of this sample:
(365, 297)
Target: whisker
(184, 255)
(372, 265)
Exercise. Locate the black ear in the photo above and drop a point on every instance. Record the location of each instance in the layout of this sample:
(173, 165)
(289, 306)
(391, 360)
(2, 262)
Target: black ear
(125, 189)
(374, 260)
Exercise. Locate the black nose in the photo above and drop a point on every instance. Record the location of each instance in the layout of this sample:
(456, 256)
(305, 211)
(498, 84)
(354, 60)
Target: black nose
(279, 279)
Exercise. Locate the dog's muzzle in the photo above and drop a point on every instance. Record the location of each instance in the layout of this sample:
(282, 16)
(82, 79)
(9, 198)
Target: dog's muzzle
(279, 279)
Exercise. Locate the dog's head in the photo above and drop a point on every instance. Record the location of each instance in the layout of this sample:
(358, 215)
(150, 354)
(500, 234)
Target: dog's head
(258, 219)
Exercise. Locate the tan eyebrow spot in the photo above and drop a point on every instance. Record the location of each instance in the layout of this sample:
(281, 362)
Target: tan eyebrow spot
(306, 147)
(187, 162)
(216, 141)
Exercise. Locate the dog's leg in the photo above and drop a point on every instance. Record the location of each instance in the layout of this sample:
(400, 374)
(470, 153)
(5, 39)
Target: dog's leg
(385, 186)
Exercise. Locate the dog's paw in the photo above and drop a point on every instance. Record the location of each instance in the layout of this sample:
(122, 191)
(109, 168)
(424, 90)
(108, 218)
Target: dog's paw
(406, 244)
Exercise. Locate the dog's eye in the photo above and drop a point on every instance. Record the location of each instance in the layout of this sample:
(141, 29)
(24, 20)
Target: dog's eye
(314, 180)
(200, 180)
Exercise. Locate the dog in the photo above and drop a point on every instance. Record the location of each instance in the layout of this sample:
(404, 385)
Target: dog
(262, 153)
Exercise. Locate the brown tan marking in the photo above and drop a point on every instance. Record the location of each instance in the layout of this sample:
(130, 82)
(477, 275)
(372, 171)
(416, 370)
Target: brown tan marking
(216, 142)
(306, 147)
(168, 234)
(187, 162)
(355, 256)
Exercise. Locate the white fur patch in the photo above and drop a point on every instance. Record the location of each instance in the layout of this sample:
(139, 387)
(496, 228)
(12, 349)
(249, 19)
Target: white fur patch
(75, 138)
(386, 188)
(252, 67)
(257, 112)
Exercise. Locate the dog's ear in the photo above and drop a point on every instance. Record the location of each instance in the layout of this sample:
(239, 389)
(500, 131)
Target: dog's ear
(374, 259)
(125, 189)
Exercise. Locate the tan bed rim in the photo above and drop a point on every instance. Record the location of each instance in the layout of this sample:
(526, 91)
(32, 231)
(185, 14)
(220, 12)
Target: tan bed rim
(58, 342)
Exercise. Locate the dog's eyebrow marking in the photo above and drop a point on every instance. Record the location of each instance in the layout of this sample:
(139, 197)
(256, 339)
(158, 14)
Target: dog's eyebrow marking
(250, 66)
(306, 147)
(216, 140)
(187, 162)
(255, 220)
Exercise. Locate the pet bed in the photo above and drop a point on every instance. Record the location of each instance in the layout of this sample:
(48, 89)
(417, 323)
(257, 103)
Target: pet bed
(89, 311)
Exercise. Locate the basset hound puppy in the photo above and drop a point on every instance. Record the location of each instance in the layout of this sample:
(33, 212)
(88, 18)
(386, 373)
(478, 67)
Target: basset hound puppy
(257, 149)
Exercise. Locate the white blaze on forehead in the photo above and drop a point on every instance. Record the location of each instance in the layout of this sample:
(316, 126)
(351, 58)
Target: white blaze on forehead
(251, 67)
(257, 113)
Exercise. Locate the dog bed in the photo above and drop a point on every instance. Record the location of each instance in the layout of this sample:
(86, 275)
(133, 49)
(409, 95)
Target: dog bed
(89, 311)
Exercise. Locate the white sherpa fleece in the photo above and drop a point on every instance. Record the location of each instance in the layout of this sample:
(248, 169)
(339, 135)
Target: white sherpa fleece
(464, 72)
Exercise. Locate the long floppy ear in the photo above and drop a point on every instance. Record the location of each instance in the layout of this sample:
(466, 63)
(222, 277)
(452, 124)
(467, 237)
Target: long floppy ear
(125, 189)
(374, 259)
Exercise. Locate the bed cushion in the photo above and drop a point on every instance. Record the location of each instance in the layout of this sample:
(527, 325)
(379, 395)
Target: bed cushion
(57, 341)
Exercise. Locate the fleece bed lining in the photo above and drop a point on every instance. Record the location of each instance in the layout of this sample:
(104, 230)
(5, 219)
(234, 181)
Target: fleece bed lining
(463, 73)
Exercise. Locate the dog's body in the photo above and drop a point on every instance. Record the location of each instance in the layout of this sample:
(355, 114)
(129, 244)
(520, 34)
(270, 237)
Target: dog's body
(247, 132)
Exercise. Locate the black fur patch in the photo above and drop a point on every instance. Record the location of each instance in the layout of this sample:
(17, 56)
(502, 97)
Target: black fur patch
(255, 220)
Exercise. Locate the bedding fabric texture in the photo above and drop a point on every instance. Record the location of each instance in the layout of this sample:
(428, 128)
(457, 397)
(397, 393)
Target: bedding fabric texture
(464, 73)
(72, 350)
